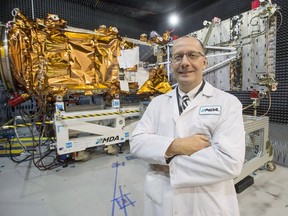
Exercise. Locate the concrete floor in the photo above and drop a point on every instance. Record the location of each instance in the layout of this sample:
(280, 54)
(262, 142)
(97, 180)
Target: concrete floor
(112, 185)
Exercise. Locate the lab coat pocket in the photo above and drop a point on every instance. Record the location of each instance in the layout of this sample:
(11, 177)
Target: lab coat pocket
(154, 187)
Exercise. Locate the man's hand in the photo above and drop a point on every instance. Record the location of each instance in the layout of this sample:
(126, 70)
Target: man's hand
(187, 145)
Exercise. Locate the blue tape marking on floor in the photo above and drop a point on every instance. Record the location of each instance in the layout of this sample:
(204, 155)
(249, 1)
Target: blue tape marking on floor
(123, 200)
(115, 183)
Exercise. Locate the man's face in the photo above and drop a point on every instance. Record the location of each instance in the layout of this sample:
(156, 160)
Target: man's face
(188, 62)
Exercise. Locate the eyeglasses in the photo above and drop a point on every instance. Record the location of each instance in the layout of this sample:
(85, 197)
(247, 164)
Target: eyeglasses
(177, 58)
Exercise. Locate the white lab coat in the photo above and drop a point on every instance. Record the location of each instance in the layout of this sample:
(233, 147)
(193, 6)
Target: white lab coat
(200, 184)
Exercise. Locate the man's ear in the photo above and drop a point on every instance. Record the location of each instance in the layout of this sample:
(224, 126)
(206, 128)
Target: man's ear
(205, 63)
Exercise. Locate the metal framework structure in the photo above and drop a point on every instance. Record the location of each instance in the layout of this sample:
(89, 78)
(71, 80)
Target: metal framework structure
(241, 51)
(77, 131)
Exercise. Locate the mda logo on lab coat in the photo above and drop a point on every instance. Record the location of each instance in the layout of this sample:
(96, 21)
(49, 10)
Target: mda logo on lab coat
(210, 110)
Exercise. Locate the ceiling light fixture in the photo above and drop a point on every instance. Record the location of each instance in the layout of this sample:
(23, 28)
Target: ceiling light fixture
(173, 19)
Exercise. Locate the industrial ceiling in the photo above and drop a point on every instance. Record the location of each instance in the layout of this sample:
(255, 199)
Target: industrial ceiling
(146, 10)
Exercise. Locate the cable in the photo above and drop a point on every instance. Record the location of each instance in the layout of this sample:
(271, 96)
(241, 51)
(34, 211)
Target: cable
(281, 19)
(40, 149)
(270, 102)
(11, 154)
(17, 136)
(244, 108)
(7, 123)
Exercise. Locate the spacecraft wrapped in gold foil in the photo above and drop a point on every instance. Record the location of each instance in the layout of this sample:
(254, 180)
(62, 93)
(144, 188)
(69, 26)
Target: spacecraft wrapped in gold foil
(155, 38)
(47, 58)
(157, 82)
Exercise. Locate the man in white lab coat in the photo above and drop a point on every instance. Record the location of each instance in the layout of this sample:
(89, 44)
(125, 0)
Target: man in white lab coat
(195, 149)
